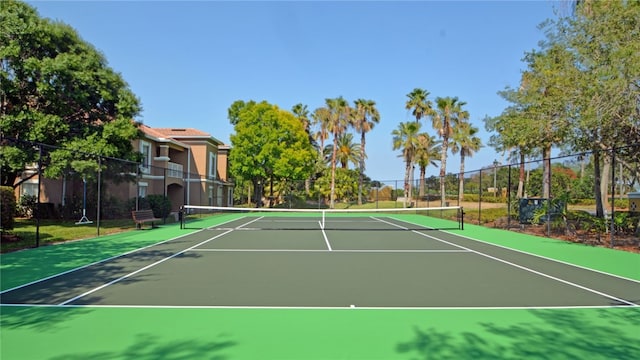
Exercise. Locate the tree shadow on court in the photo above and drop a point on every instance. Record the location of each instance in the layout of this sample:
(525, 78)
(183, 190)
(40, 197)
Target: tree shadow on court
(150, 347)
(41, 319)
(61, 288)
(143, 346)
(25, 266)
(554, 334)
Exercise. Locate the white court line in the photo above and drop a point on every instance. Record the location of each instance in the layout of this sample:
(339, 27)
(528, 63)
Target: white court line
(522, 267)
(337, 251)
(528, 253)
(324, 234)
(346, 307)
(531, 254)
(545, 257)
(148, 266)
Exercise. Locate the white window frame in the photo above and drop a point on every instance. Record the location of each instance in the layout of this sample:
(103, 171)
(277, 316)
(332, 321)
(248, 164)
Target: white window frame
(143, 189)
(213, 164)
(145, 149)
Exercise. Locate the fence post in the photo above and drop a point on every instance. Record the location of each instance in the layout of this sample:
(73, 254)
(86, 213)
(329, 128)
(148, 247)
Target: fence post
(99, 195)
(509, 199)
(480, 199)
(37, 210)
(613, 193)
(549, 197)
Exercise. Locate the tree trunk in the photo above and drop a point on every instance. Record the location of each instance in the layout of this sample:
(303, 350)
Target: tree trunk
(443, 169)
(596, 184)
(546, 184)
(461, 179)
(423, 172)
(604, 181)
(271, 191)
(361, 175)
(407, 182)
(333, 171)
(521, 178)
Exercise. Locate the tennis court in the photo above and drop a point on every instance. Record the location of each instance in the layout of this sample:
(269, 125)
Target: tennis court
(368, 261)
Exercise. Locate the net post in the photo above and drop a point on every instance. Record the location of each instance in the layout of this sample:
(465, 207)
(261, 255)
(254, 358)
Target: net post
(181, 217)
(461, 217)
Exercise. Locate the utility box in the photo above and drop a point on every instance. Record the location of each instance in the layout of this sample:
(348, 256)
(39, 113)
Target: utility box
(634, 202)
(528, 206)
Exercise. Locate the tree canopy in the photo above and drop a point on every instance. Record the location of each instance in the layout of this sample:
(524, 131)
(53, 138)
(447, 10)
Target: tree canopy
(269, 143)
(57, 89)
(580, 91)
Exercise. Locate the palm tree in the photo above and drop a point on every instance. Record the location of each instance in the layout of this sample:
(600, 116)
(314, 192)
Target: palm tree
(465, 141)
(338, 122)
(301, 112)
(428, 150)
(448, 115)
(405, 137)
(419, 104)
(321, 118)
(366, 116)
(347, 152)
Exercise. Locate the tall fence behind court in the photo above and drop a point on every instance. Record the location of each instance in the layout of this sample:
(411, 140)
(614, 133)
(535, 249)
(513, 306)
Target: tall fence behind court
(509, 196)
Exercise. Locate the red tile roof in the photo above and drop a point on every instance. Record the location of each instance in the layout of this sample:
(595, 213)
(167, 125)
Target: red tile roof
(151, 131)
(173, 132)
(177, 133)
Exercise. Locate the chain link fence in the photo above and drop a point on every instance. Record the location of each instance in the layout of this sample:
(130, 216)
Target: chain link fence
(95, 194)
(551, 197)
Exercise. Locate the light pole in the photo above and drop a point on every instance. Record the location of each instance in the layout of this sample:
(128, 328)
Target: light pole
(495, 172)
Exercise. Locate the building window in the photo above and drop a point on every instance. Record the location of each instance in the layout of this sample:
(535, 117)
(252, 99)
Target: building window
(212, 165)
(145, 149)
(143, 188)
(210, 195)
(219, 196)
(230, 196)
(29, 188)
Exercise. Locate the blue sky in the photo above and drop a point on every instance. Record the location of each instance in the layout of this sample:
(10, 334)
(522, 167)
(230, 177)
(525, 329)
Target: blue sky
(188, 61)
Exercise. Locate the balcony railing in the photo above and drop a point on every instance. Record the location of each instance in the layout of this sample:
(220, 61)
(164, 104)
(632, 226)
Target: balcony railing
(174, 170)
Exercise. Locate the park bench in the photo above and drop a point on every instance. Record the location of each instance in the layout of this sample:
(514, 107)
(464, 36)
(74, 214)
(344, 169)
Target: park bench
(143, 216)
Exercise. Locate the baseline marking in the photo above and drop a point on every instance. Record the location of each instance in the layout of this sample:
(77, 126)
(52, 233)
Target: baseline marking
(148, 266)
(337, 251)
(346, 307)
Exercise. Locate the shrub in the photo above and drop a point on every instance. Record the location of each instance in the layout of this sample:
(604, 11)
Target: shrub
(8, 210)
(488, 198)
(27, 205)
(160, 205)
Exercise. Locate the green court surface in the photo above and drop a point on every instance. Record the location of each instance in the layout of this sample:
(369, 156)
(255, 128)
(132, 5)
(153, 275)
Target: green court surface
(228, 290)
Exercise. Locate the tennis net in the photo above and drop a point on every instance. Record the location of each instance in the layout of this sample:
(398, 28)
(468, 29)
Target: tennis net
(215, 217)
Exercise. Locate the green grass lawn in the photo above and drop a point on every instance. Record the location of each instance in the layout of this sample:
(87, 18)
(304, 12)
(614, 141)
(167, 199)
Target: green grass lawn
(54, 231)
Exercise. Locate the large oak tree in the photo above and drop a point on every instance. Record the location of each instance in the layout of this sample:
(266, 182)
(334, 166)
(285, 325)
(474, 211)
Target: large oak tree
(56, 89)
